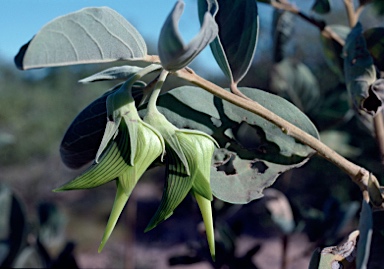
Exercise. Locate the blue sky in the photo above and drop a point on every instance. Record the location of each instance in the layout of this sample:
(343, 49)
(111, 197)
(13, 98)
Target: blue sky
(21, 19)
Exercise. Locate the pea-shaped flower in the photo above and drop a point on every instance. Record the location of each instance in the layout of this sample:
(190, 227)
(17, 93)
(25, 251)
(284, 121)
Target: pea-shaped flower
(128, 148)
(189, 155)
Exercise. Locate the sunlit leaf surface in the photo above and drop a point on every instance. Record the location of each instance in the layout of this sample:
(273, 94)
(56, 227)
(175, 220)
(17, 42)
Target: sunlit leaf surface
(91, 35)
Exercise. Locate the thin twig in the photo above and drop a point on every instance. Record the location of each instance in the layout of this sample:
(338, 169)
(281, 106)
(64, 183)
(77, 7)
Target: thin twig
(329, 33)
(350, 8)
(325, 30)
(379, 133)
(378, 124)
(358, 174)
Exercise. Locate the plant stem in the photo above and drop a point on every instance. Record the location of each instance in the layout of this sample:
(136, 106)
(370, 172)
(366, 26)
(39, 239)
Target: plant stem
(321, 25)
(350, 8)
(156, 91)
(236, 91)
(378, 124)
(358, 174)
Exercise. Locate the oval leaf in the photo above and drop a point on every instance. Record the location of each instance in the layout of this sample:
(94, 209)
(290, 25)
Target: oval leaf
(280, 209)
(365, 237)
(91, 35)
(235, 45)
(174, 55)
(360, 73)
(83, 137)
(294, 81)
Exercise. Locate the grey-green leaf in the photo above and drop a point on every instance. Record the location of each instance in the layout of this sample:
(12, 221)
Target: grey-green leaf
(280, 209)
(365, 236)
(360, 73)
(173, 53)
(239, 181)
(83, 137)
(235, 45)
(113, 73)
(90, 35)
(294, 81)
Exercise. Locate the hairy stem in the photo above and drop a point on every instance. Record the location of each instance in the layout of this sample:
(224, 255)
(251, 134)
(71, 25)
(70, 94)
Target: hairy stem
(358, 174)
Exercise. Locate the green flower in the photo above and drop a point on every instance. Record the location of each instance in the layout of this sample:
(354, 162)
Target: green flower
(128, 148)
(189, 155)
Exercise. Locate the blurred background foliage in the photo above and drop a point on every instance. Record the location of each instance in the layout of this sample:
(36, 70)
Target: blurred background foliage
(37, 106)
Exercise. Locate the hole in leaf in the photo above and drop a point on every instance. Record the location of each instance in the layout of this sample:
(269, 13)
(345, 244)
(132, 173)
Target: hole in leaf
(261, 167)
(372, 103)
(227, 167)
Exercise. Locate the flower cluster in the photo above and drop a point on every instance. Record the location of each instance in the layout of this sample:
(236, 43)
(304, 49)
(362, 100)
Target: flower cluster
(130, 145)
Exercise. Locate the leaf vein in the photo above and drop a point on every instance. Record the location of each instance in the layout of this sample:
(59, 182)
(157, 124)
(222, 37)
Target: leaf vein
(111, 33)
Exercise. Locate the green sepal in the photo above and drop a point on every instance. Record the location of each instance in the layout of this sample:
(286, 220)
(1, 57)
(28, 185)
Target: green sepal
(206, 212)
(177, 186)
